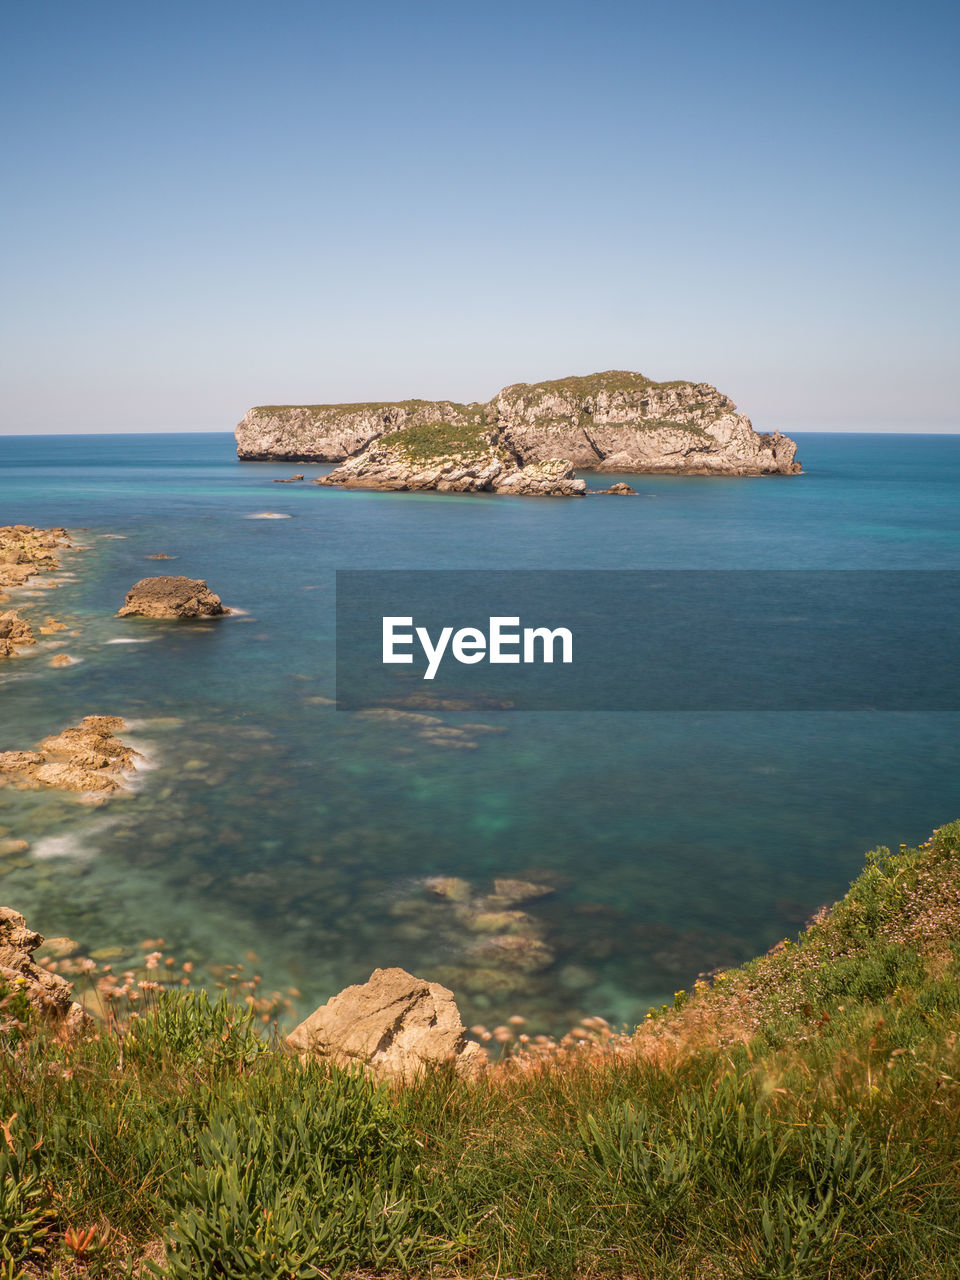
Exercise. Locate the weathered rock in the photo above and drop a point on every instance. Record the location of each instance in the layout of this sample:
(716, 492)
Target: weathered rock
(15, 632)
(16, 761)
(332, 432)
(86, 758)
(394, 1025)
(619, 487)
(610, 421)
(26, 551)
(289, 479)
(621, 421)
(462, 458)
(544, 478)
(48, 993)
(171, 598)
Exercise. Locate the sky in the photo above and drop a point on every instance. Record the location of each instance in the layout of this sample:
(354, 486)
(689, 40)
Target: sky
(213, 205)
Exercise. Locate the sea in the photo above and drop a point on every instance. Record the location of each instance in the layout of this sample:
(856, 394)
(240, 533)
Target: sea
(270, 830)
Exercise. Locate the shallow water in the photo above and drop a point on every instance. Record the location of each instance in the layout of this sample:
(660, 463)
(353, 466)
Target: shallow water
(269, 822)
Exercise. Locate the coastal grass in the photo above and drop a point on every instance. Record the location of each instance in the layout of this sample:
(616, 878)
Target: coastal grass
(797, 1117)
(424, 441)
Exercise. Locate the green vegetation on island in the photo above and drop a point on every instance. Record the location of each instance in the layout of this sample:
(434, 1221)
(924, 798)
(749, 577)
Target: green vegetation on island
(796, 1117)
(427, 440)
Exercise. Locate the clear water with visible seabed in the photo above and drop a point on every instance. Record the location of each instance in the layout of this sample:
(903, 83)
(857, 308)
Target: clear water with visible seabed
(268, 822)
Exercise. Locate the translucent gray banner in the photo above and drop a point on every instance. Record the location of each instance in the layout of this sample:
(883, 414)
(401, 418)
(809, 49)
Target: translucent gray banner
(645, 640)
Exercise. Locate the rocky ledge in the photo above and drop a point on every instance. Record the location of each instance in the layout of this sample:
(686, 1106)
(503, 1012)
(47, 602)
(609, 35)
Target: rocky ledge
(87, 757)
(613, 421)
(452, 458)
(26, 551)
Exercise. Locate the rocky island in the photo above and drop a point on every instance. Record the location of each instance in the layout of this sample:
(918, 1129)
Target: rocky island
(528, 439)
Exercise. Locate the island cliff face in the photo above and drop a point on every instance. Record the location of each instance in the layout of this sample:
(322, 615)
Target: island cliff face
(527, 439)
(453, 457)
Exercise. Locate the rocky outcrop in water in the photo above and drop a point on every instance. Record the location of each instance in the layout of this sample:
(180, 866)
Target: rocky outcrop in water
(394, 1025)
(26, 551)
(620, 488)
(46, 992)
(15, 632)
(87, 757)
(171, 598)
(614, 421)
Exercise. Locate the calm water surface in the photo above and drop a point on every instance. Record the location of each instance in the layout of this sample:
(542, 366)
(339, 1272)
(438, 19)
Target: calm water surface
(269, 822)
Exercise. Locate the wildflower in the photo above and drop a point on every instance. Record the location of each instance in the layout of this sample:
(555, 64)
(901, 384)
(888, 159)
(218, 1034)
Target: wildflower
(152, 960)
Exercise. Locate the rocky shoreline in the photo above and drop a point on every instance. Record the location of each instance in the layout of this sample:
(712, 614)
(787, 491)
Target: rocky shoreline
(528, 440)
(26, 555)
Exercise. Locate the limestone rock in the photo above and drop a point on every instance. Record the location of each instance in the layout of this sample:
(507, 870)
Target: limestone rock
(617, 420)
(14, 632)
(25, 551)
(87, 757)
(47, 992)
(394, 1025)
(171, 598)
(332, 432)
(622, 421)
(619, 487)
(459, 459)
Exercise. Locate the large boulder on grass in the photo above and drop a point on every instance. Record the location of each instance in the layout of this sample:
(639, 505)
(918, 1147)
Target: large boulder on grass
(171, 598)
(394, 1025)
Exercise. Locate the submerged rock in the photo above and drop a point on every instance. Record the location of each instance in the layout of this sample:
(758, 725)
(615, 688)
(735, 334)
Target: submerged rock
(394, 1025)
(514, 951)
(449, 888)
(171, 598)
(508, 892)
(48, 993)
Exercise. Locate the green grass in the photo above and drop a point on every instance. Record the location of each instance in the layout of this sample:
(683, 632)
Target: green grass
(372, 406)
(427, 440)
(798, 1118)
(593, 383)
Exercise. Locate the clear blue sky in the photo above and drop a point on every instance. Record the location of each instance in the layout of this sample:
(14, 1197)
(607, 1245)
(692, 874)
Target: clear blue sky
(212, 205)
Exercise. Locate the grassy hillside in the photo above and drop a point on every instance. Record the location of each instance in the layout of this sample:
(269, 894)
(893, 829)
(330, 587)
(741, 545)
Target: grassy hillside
(798, 1117)
(427, 440)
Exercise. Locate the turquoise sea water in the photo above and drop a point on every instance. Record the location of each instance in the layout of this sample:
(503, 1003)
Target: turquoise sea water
(270, 822)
